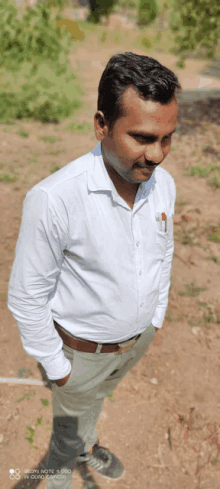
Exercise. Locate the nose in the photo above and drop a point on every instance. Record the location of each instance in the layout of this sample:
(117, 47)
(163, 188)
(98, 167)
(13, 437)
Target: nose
(154, 152)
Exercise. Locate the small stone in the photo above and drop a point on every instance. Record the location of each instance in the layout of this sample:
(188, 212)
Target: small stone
(1, 438)
(196, 330)
(104, 415)
(154, 381)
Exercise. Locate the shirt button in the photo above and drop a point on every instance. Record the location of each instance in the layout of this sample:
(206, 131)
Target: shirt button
(141, 304)
(140, 273)
(138, 242)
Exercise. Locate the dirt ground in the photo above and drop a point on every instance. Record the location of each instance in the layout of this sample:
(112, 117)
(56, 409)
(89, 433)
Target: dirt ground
(163, 419)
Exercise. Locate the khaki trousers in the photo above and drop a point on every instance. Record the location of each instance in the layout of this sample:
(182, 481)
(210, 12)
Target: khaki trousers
(78, 403)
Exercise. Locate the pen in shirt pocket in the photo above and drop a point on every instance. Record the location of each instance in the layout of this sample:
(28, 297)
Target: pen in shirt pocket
(160, 218)
(164, 218)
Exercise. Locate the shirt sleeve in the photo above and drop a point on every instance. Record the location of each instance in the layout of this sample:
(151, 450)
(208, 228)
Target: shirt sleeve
(35, 271)
(164, 285)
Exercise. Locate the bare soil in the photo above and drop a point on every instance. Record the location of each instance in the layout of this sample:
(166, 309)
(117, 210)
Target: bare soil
(163, 420)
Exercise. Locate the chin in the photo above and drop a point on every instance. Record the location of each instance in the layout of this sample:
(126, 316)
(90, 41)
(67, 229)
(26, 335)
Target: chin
(142, 180)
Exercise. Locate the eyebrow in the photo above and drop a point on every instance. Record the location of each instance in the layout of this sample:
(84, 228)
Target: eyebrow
(147, 134)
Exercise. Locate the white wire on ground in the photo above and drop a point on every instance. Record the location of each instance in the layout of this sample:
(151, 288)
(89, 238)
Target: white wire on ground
(23, 381)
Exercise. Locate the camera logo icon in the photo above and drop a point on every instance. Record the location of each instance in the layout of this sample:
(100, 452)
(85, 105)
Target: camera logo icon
(14, 474)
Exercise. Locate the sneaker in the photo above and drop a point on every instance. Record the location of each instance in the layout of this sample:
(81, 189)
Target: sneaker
(88, 480)
(102, 460)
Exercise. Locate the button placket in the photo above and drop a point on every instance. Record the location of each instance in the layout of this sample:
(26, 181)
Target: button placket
(138, 250)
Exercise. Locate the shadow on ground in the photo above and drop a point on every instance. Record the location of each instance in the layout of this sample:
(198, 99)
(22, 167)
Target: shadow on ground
(197, 107)
(213, 69)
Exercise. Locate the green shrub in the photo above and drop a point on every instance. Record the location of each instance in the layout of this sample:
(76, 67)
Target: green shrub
(147, 13)
(41, 95)
(100, 8)
(35, 35)
(36, 80)
(195, 25)
(125, 4)
(61, 4)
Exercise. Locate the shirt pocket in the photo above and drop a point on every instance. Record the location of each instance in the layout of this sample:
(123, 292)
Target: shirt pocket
(161, 243)
(162, 236)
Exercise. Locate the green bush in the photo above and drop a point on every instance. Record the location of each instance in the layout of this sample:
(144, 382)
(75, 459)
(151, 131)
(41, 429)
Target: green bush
(99, 8)
(35, 34)
(36, 80)
(125, 4)
(39, 94)
(61, 4)
(196, 27)
(147, 13)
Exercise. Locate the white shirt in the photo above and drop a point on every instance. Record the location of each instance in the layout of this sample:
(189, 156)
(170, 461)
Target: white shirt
(87, 260)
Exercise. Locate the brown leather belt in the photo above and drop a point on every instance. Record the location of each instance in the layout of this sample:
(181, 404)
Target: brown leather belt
(91, 347)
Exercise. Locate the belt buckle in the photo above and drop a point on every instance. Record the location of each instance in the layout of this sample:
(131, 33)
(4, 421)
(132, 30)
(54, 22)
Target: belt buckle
(127, 347)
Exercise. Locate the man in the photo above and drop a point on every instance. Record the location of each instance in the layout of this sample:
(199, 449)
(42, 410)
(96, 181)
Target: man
(90, 281)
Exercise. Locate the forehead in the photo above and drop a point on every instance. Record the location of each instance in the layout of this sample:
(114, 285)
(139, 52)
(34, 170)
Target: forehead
(146, 114)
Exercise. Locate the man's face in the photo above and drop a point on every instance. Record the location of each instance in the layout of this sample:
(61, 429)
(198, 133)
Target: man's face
(140, 139)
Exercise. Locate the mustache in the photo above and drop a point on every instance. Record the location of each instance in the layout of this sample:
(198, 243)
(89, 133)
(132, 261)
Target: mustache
(148, 163)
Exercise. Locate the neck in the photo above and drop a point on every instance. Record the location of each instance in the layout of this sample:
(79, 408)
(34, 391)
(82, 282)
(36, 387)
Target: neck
(120, 183)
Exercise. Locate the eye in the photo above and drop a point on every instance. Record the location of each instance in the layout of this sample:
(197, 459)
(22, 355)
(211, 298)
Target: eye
(142, 140)
(167, 138)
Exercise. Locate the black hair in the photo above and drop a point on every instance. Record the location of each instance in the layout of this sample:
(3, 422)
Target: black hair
(149, 78)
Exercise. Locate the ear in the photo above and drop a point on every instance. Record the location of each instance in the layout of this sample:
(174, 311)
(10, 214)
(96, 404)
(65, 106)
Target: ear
(100, 126)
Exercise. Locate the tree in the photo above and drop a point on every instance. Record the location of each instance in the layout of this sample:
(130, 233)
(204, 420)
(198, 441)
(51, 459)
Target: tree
(100, 8)
(196, 24)
(148, 11)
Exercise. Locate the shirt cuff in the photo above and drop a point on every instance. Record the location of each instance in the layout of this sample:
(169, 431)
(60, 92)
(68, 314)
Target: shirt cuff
(57, 369)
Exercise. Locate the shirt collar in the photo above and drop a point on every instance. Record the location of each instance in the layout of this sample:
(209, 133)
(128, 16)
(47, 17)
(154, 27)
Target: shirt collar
(99, 179)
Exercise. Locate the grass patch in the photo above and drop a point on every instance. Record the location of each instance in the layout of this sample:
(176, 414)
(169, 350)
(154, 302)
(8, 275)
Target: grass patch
(210, 315)
(55, 152)
(26, 397)
(45, 402)
(198, 171)
(214, 235)
(187, 239)
(192, 290)
(30, 435)
(49, 139)
(171, 318)
(214, 179)
(79, 127)
(23, 133)
(55, 168)
(6, 178)
(213, 258)
(210, 171)
(39, 421)
(182, 203)
(32, 160)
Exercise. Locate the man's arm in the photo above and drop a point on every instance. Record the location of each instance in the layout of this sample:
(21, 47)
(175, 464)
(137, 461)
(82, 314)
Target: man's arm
(37, 264)
(164, 285)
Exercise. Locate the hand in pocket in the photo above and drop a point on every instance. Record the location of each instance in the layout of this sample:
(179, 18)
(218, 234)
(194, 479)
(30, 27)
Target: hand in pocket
(63, 381)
